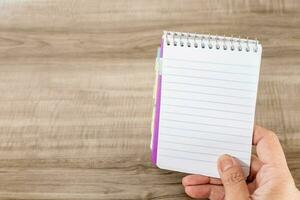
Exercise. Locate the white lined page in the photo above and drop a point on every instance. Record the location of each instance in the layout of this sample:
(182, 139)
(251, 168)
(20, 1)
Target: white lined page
(207, 108)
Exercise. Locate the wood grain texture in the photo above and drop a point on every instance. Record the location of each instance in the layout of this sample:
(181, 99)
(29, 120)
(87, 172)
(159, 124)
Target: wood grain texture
(76, 82)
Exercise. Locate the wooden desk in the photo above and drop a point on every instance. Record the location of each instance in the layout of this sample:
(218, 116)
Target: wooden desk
(76, 82)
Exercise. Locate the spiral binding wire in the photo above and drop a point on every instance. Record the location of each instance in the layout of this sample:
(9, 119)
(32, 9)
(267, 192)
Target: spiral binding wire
(208, 41)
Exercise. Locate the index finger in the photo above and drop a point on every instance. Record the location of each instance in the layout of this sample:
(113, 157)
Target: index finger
(268, 147)
(200, 180)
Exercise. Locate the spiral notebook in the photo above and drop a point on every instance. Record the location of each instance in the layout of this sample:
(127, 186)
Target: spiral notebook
(205, 96)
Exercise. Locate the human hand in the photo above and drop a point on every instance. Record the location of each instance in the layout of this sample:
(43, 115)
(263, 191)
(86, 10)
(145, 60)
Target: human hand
(269, 177)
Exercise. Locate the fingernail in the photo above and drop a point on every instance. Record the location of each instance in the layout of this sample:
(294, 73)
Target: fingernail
(225, 162)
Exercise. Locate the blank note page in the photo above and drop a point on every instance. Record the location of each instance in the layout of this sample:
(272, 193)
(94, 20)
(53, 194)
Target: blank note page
(208, 99)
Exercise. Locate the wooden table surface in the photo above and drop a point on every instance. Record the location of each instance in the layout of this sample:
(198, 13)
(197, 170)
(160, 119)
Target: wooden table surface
(76, 82)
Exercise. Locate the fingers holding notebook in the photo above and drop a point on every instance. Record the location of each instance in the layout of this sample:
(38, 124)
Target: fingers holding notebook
(205, 107)
(269, 176)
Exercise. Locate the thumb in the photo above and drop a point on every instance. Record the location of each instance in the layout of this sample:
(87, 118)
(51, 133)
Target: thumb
(232, 177)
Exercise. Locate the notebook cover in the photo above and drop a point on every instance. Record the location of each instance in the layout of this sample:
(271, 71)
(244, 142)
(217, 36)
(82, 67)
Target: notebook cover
(157, 112)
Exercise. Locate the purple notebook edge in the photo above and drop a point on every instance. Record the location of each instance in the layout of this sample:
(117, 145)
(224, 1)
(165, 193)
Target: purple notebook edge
(157, 114)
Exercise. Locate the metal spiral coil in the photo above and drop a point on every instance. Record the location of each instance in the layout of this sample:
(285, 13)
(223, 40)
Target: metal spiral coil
(207, 41)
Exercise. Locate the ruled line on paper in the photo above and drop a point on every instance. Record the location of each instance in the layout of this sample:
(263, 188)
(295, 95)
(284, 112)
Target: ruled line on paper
(201, 138)
(202, 108)
(184, 158)
(207, 70)
(206, 116)
(212, 94)
(211, 86)
(201, 131)
(209, 78)
(198, 100)
(206, 62)
(179, 108)
(214, 125)
(205, 146)
(196, 152)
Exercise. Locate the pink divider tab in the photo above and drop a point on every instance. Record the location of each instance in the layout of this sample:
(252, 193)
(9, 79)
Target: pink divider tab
(157, 114)
(156, 122)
